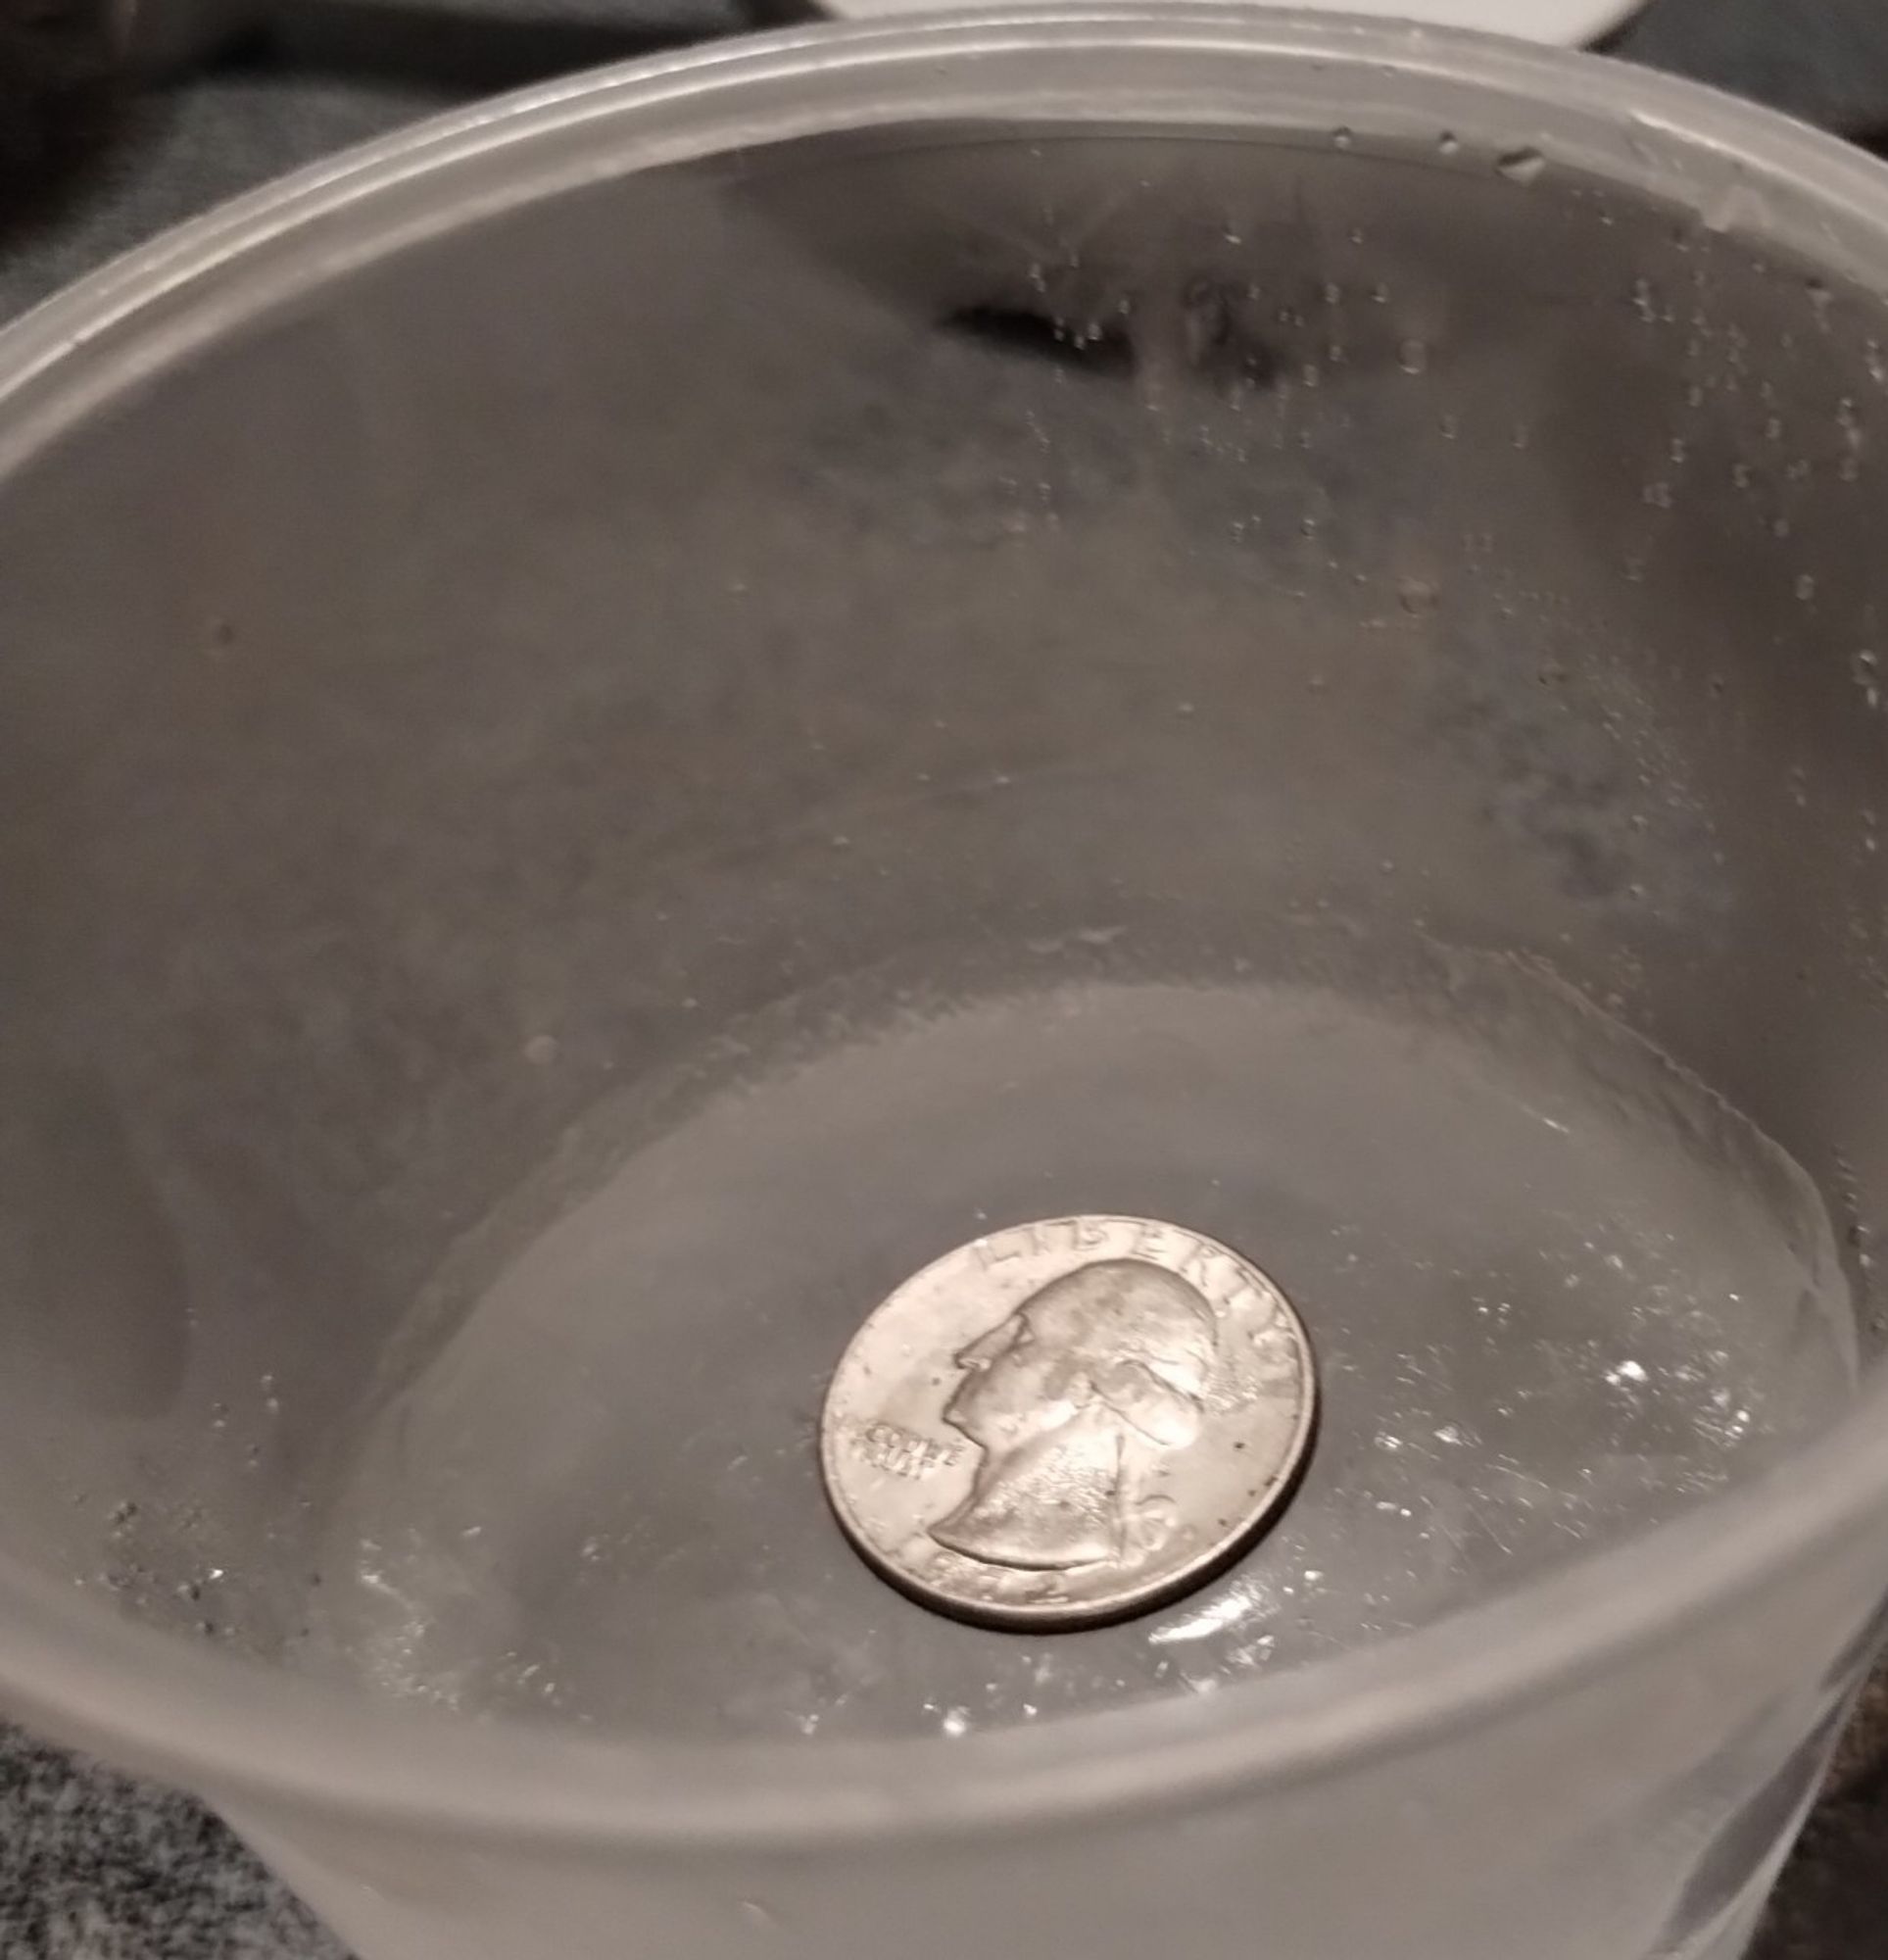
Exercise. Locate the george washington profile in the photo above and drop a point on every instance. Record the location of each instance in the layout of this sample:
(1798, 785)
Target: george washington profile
(1066, 1398)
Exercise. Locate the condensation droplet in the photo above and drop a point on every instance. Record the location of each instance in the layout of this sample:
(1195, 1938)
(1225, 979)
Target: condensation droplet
(1867, 669)
(1739, 205)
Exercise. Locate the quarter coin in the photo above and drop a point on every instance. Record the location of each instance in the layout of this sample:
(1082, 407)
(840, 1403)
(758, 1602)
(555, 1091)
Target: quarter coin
(1068, 1421)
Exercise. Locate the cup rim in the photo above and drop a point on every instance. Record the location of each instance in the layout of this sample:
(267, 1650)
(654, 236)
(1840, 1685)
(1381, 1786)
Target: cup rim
(254, 1736)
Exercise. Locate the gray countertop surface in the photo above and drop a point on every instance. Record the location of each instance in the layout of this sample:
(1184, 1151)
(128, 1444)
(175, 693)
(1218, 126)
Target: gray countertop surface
(94, 1866)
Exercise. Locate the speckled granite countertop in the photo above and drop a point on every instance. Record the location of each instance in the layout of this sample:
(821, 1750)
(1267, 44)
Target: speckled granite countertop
(96, 1867)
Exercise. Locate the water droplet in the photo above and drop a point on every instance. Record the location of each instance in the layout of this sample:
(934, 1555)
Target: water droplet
(1867, 669)
(541, 1050)
(1521, 166)
(1738, 205)
(1804, 587)
(1343, 138)
(1413, 357)
(1449, 143)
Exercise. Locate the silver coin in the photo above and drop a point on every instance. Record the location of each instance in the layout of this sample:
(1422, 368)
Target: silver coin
(1068, 1421)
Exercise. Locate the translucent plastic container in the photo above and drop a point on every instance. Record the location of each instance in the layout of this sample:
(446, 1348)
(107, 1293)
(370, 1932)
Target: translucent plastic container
(628, 716)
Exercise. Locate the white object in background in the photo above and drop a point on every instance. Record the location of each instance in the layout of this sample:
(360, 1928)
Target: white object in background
(1569, 23)
(1566, 22)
